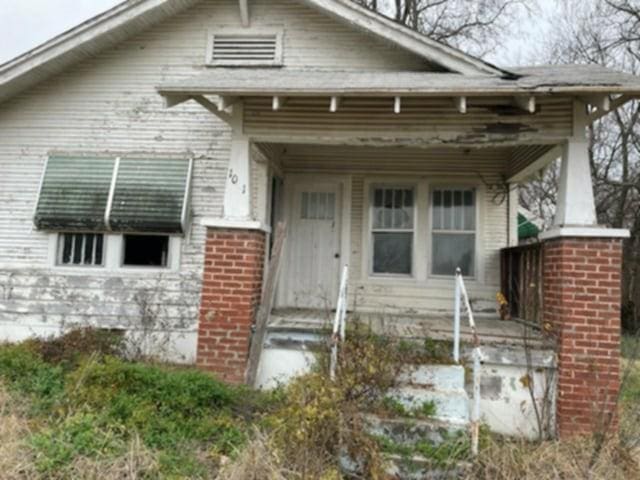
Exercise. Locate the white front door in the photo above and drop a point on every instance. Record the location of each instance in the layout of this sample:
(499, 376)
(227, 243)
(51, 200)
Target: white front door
(312, 260)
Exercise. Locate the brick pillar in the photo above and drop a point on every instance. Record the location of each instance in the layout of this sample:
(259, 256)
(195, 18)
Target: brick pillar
(582, 303)
(231, 287)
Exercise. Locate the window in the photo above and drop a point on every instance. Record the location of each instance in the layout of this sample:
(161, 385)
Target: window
(146, 250)
(392, 230)
(318, 205)
(80, 249)
(454, 235)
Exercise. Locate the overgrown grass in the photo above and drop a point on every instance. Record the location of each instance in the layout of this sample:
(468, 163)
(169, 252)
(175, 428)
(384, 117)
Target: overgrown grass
(87, 407)
(73, 409)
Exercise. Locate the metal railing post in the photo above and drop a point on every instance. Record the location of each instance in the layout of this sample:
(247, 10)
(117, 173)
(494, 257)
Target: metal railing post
(339, 322)
(456, 319)
(460, 296)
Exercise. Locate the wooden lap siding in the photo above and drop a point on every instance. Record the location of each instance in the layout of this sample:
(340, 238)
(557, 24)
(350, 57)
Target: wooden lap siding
(108, 106)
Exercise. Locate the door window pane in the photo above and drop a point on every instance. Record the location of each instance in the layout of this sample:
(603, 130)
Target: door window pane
(318, 206)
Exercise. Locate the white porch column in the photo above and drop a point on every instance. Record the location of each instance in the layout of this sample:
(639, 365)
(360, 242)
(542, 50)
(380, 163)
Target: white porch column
(576, 205)
(237, 192)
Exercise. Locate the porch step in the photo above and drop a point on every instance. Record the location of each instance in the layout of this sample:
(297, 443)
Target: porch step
(417, 467)
(451, 405)
(441, 377)
(409, 431)
(442, 385)
(418, 449)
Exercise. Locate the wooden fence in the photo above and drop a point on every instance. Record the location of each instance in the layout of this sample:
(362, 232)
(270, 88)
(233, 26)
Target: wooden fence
(521, 281)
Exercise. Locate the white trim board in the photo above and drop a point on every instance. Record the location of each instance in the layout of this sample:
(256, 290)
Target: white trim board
(234, 224)
(585, 232)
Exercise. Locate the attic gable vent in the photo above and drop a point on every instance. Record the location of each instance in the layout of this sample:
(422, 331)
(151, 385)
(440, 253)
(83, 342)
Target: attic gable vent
(244, 49)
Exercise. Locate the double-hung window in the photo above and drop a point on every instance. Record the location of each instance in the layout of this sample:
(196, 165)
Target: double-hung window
(392, 228)
(453, 231)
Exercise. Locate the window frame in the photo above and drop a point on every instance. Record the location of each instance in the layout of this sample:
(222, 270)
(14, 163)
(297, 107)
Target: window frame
(443, 186)
(113, 255)
(58, 242)
(122, 249)
(372, 187)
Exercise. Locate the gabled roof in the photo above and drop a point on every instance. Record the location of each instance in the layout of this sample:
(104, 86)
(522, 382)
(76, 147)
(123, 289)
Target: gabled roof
(129, 17)
(449, 57)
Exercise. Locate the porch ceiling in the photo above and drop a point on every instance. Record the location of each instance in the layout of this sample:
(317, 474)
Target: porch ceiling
(491, 163)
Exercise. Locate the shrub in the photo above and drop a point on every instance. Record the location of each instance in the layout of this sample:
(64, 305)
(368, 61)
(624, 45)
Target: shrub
(81, 434)
(69, 349)
(166, 405)
(23, 371)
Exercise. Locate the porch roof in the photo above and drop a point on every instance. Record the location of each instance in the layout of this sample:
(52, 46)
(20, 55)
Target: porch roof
(551, 79)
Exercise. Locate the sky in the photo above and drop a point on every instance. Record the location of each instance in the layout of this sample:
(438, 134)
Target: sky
(25, 24)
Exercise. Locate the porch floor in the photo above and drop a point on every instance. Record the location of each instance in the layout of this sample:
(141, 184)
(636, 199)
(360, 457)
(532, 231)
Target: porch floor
(491, 330)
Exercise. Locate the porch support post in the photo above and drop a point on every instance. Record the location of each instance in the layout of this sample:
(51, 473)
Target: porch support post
(234, 262)
(237, 192)
(581, 273)
(576, 205)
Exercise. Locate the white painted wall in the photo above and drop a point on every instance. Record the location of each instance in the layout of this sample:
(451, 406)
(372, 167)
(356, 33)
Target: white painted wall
(108, 105)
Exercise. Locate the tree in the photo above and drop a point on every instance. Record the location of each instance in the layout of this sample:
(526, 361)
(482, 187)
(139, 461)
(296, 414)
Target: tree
(604, 33)
(475, 25)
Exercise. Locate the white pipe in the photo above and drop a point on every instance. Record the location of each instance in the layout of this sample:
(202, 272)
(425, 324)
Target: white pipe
(456, 319)
(475, 412)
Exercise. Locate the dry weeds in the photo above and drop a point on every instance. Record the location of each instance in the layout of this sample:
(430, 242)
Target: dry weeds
(257, 461)
(15, 458)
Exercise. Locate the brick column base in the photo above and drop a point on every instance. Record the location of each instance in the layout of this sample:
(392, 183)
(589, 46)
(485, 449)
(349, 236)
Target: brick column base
(231, 287)
(582, 297)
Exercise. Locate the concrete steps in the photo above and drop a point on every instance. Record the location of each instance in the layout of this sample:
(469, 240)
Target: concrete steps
(417, 447)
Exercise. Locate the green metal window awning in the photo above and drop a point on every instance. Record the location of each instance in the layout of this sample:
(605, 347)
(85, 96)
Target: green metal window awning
(114, 194)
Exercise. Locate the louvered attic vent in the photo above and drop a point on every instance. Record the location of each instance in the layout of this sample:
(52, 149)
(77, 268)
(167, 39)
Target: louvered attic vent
(234, 49)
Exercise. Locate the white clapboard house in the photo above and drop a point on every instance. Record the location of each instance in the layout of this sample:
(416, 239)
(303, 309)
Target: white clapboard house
(147, 155)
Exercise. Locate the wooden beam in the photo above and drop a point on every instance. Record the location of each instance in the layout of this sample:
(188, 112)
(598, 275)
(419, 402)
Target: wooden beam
(397, 104)
(528, 104)
(601, 102)
(245, 17)
(613, 105)
(335, 103)
(461, 104)
(173, 100)
(536, 165)
(278, 102)
(266, 302)
(226, 102)
(206, 103)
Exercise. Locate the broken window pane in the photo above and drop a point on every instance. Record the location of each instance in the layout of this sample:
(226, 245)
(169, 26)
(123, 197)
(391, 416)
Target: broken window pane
(146, 250)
